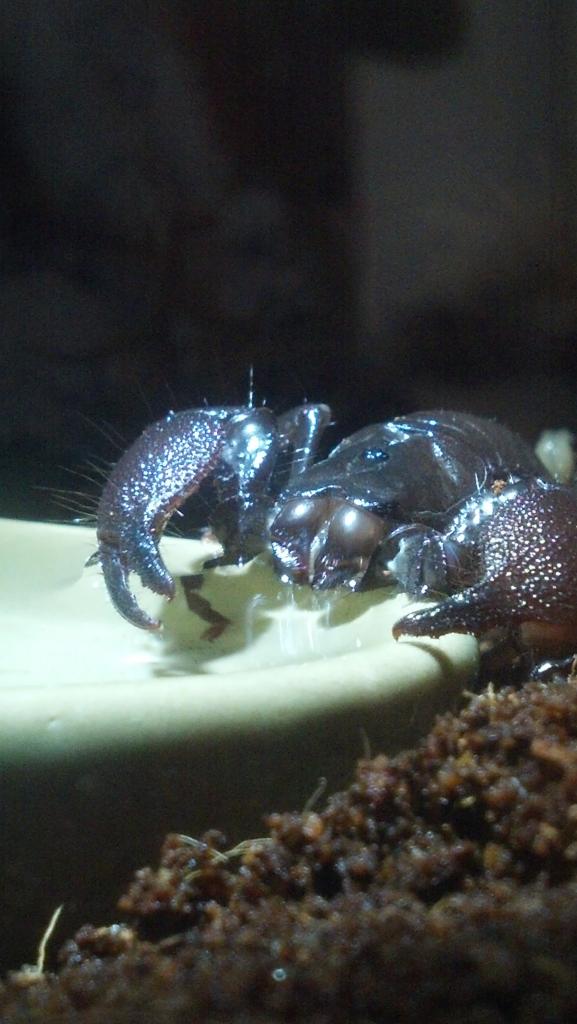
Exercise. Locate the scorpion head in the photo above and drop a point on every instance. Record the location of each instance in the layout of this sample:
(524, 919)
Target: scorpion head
(522, 555)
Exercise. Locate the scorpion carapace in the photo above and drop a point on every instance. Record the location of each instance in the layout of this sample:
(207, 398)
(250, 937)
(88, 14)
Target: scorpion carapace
(443, 504)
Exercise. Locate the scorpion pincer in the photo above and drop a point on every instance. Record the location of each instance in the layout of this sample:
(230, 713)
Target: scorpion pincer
(442, 504)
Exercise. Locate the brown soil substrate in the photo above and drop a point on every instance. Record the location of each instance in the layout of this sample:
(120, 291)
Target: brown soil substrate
(441, 886)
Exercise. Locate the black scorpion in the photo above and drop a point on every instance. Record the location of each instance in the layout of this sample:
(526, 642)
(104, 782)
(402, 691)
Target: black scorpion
(442, 504)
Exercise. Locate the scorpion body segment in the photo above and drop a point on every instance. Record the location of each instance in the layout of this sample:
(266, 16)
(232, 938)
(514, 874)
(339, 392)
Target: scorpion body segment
(441, 503)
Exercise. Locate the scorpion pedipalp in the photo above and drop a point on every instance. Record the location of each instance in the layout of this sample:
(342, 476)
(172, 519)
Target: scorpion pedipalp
(164, 466)
(526, 568)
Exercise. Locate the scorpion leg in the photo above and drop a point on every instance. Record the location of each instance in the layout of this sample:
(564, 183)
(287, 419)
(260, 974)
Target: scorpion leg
(302, 428)
(164, 467)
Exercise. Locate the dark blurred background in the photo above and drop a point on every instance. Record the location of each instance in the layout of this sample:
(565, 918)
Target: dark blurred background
(370, 202)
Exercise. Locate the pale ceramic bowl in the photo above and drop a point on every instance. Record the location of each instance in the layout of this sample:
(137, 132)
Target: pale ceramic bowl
(110, 736)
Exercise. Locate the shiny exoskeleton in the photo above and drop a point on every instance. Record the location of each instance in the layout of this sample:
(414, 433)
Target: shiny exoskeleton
(440, 503)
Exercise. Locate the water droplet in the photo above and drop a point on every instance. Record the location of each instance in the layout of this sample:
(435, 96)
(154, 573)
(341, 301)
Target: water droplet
(279, 974)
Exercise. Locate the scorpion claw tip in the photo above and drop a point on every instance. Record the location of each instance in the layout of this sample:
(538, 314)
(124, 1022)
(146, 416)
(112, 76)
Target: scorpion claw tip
(470, 611)
(116, 570)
